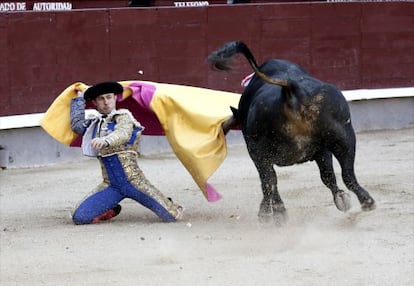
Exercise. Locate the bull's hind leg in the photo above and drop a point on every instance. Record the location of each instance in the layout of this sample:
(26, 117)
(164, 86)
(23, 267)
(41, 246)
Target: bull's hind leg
(341, 199)
(272, 205)
(349, 178)
(344, 152)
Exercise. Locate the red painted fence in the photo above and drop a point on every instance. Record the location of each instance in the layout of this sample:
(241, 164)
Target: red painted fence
(353, 45)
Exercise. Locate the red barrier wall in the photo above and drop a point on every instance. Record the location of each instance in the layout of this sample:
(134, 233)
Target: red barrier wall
(87, 4)
(353, 45)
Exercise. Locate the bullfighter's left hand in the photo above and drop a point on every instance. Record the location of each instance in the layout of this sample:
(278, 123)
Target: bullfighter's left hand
(98, 143)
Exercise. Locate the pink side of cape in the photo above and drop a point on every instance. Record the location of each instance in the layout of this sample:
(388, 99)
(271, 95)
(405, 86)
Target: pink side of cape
(212, 194)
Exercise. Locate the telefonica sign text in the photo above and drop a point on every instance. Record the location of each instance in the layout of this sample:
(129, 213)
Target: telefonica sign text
(191, 4)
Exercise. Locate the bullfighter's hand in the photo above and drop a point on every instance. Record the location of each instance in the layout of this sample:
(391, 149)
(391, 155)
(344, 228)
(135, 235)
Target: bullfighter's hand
(80, 93)
(98, 143)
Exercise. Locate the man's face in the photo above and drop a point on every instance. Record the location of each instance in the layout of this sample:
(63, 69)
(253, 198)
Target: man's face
(105, 103)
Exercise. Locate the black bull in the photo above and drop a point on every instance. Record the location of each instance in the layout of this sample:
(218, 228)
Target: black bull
(289, 117)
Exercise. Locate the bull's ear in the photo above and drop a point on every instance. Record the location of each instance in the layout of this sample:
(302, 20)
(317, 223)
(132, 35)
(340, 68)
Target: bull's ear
(235, 112)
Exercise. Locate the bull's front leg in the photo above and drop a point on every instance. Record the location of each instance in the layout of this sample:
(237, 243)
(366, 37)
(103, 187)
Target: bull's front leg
(272, 206)
(232, 121)
(228, 124)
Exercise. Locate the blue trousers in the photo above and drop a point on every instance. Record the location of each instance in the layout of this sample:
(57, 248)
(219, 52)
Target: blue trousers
(118, 189)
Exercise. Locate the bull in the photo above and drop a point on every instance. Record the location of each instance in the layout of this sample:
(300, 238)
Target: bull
(289, 117)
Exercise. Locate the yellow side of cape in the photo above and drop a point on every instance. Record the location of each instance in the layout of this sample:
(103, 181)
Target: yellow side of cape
(191, 118)
(56, 121)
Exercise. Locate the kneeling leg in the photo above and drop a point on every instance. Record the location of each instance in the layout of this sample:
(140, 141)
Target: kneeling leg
(93, 208)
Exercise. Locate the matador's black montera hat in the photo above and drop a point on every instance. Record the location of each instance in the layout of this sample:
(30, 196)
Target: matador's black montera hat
(101, 88)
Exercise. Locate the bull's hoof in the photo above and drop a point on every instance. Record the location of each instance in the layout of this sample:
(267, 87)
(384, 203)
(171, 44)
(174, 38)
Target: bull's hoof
(342, 201)
(265, 209)
(277, 218)
(368, 205)
(280, 218)
(265, 218)
(279, 214)
(276, 214)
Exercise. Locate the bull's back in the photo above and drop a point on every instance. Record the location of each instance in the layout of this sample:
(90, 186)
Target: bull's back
(283, 69)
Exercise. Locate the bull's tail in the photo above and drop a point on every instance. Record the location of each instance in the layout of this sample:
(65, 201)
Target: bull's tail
(221, 59)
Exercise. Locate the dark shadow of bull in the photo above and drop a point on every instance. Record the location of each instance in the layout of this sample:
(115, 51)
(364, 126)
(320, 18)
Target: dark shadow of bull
(289, 117)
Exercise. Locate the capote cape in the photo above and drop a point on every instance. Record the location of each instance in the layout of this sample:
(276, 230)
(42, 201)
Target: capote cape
(189, 117)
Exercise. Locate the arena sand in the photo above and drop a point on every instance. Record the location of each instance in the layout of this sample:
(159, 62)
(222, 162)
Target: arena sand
(219, 243)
